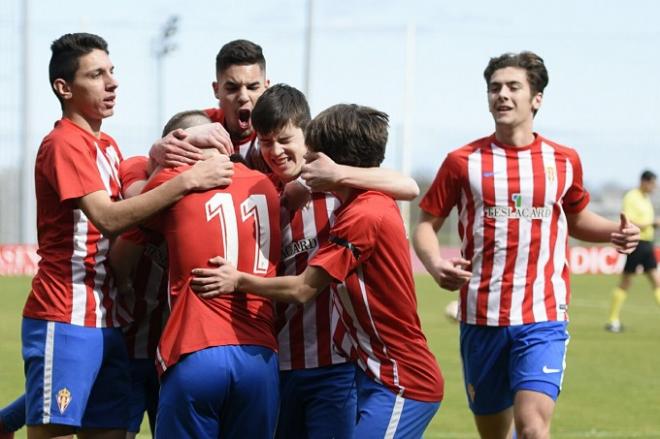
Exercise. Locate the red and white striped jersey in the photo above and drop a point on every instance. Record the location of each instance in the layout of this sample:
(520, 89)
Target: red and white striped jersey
(512, 204)
(305, 332)
(368, 251)
(73, 284)
(148, 307)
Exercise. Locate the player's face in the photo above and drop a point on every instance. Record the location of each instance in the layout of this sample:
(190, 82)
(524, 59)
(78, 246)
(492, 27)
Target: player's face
(238, 88)
(510, 98)
(284, 152)
(92, 92)
(648, 186)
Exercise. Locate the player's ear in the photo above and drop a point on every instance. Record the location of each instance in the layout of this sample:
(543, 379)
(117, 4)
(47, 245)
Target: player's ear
(536, 101)
(267, 83)
(216, 90)
(62, 88)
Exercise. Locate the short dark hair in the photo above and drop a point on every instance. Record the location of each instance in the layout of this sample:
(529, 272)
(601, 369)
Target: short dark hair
(278, 106)
(349, 134)
(648, 175)
(66, 53)
(185, 119)
(537, 74)
(239, 52)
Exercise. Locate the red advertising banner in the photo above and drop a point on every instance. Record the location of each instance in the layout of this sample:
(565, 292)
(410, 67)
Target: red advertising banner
(22, 260)
(18, 260)
(582, 260)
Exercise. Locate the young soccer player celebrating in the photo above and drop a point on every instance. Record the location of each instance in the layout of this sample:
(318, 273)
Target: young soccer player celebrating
(240, 80)
(399, 385)
(519, 196)
(71, 307)
(317, 397)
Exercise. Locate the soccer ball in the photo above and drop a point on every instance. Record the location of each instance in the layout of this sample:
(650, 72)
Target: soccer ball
(451, 311)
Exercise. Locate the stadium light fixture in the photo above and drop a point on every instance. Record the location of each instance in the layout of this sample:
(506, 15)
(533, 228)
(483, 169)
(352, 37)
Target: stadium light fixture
(163, 45)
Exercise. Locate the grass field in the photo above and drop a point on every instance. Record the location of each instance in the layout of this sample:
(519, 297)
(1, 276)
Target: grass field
(612, 384)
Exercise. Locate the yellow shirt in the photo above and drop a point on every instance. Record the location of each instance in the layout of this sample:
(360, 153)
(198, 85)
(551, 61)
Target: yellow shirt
(639, 210)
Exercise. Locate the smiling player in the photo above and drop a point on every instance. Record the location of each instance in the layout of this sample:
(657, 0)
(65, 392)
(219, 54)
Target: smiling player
(519, 196)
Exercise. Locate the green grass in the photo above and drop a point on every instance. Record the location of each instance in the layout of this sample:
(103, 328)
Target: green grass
(612, 383)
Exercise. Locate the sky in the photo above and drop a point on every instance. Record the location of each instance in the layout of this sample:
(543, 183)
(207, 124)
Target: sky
(603, 98)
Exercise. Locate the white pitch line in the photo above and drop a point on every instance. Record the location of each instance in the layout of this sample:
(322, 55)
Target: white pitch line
(576, 434)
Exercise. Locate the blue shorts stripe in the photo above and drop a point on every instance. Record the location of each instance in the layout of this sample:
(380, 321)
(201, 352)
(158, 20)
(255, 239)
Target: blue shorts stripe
(382, 413)
(48, 370)
(397, 409)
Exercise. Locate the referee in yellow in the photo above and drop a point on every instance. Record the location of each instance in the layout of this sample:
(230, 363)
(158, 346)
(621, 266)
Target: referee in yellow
(638, 208)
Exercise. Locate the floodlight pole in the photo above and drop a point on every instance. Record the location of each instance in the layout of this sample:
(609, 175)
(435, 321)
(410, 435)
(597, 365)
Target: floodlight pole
(307, 61)
(24, 162)
(163, 46)
(408, 108)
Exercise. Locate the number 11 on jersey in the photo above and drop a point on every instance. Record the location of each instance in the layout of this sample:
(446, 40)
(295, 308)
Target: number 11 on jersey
(255, 206)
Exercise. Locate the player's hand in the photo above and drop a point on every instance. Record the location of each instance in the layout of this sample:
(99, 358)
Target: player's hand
(320, 172)
(627, 238)
(295, 195)
(214, 172)
(174, 150)
(216, 281)
(452, 274)
(210, 135)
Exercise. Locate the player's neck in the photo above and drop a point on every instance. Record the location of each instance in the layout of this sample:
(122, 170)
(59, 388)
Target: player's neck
(91, 126)
(239, 139)
(344, 193)
(514, 135)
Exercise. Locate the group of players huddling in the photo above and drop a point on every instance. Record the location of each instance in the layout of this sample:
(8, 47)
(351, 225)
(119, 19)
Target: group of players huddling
(251, 278)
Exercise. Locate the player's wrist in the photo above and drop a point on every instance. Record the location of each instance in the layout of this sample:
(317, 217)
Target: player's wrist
(301, 181)
(239, 282)
(186, 181)
(341, 175)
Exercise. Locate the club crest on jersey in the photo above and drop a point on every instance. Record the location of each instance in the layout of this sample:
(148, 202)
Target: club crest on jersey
(63, 399)
(550, 173)
(300, 246)
(518, 211)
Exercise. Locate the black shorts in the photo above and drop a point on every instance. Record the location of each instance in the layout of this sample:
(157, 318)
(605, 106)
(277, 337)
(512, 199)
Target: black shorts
(643, 255)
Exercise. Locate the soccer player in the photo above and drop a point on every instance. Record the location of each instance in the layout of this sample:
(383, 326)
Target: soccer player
(139, 262)
(217, 358)
(71, 307)
(638, 208)
(240, 80)
(317, 395)
(519, 196)
(399, 385)
(143, 291)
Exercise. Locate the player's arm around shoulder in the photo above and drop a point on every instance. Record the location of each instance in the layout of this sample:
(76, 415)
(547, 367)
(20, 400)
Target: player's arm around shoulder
(226, 279)
(112, 218)
(322, 174)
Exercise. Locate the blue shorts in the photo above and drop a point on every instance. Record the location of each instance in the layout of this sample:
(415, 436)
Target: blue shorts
(382, 413)
(75, 375)
(499, 361)
(12, 417)
(318, 403)
(223, 391)
(144, 393)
